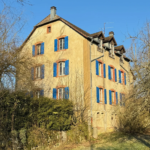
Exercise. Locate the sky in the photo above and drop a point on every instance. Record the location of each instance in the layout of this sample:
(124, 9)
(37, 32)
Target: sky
(121, 16)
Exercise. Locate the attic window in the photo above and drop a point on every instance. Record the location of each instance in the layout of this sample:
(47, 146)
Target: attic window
(111, 52)
(49, 29)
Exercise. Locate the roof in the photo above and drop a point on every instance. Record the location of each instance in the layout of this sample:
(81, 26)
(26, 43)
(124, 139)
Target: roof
(109, 38)
(119, 48)
(97, 34)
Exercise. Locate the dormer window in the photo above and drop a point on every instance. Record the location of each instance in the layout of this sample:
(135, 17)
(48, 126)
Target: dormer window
(111, 52)
(121, 58)
(100, 46)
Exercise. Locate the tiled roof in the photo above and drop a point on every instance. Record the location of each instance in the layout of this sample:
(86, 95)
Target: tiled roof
(119, 48)
(109, 38)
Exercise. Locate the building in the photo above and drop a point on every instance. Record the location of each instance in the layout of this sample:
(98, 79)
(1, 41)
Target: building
(89, 69)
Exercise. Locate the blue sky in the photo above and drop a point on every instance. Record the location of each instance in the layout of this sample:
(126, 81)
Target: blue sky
(120, 16)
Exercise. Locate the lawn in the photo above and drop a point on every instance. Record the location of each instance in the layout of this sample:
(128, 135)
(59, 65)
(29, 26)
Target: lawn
(118, 141)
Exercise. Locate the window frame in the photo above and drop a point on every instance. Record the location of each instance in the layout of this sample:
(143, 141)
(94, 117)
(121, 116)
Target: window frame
(101, 69)
(36, 44)
(58, 72)
(48, 29)
(122, 77)
(113, 96)
(112, 68)
(101, 96)
(58, 43)
(34, 72)
(60, 87)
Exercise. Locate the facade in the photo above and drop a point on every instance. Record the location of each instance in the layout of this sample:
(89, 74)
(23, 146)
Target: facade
(89, 69)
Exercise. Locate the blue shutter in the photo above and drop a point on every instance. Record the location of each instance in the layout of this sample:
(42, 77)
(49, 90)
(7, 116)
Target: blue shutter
(31, 94)
(116, 97)
(97, 92)
(32, 73)
(116, 75)
(67, 67)
(42, 72)
(66, 92)
(97, 68)
(66, 42)
(54, 93)
(120, 99)
(33, 50)
(119, 76)
(109, 73)
(110, 98)
(42, 48)
(104, 70)
(125, 78)
(55, 45)
(42, 93)
(54, 69)
(105, 93)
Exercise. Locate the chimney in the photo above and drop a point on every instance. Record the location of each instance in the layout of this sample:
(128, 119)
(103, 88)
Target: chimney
(53, 12)
(111, 33)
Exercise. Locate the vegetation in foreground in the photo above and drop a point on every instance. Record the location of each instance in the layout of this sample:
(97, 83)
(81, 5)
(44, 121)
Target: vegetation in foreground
(114, 141)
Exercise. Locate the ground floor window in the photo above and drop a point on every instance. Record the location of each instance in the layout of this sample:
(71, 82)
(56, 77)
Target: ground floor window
(61, 93)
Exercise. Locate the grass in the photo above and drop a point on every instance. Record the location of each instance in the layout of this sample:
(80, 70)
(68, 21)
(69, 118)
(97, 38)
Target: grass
(118, 141)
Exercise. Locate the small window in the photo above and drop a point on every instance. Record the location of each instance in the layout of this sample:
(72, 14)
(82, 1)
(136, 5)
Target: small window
(38, 49)
(38, 72)
(48, 29)
(113, 97)
(112, 73)
(37, 94)
(61, 68)
(61, 43)
(101, 95)
(100, 69)
(61, 93)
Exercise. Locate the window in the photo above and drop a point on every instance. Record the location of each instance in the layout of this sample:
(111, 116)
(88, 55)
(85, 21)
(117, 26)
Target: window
(100, 69)
(61, 68)
(122, 77)
(38, 49)
(61, 43)
(111, 52)
(101, 95)
(37, 94)
(37, 72)
(48, 29)
(122, 99)
(61, 93)
(112, 73)
(112, 97)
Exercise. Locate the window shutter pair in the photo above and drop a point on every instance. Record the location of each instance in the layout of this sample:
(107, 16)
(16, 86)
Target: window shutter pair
(98, 95)
(42, 72)
(56, 44)
(42, 49)
(66, 93)
(97, 69)
(66, 68)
